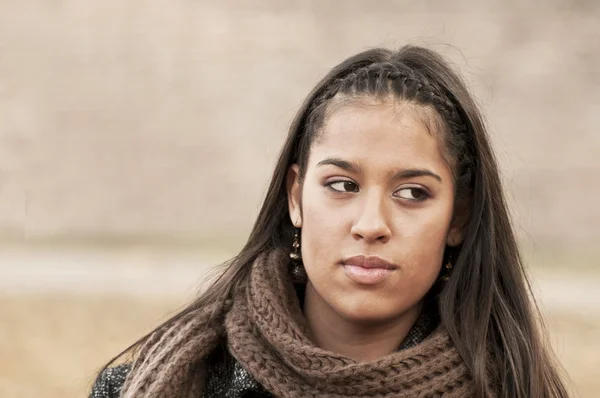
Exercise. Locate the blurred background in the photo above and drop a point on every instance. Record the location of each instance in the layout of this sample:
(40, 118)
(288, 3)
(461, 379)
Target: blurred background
(137, 139)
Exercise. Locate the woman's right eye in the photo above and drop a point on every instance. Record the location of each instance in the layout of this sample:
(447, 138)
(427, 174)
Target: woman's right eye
(343, 186)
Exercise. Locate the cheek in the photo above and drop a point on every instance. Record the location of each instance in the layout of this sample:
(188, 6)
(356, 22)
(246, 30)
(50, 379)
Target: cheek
(322, 227)
(422, 264)
(424, 243)
(429, 225)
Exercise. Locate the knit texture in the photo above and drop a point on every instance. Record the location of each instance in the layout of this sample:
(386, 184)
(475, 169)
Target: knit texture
(267, 333)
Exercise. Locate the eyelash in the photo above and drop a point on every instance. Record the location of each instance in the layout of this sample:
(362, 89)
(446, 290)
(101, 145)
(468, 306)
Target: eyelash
(424, 194)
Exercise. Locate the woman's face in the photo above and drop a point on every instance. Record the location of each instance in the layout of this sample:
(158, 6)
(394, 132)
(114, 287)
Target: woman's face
(375, 210)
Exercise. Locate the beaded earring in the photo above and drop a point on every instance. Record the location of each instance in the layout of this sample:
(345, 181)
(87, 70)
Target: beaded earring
(447, 269)
(298, 271)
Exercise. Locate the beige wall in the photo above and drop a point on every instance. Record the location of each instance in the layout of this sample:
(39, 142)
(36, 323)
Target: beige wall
(164, 117)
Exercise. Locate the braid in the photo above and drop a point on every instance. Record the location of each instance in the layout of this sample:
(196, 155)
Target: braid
(382, 77)
(385, 78)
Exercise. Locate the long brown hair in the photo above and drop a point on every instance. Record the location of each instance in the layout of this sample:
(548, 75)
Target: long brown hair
(485, 305)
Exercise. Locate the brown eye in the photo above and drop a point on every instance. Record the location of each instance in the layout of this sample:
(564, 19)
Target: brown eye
(415, 194)
(344, 186)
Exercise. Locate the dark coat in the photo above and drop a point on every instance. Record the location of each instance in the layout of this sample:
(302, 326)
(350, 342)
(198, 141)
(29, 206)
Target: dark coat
(225, 378)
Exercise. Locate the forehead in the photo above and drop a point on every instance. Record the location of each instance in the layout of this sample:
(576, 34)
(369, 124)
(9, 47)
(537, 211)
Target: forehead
(398, 134)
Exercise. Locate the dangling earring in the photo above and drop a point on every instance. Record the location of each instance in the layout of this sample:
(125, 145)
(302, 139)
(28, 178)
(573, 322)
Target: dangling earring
(298, 271)
(447, 269)
(295, 254)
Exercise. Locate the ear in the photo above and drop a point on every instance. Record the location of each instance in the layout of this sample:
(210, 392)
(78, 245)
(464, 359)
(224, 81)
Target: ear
(294, 193)
(458, 225)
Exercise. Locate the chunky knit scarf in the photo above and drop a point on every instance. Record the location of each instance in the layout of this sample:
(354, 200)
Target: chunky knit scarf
(266, 332)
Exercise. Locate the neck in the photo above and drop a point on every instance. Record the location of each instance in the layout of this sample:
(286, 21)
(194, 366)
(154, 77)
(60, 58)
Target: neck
(361, 341)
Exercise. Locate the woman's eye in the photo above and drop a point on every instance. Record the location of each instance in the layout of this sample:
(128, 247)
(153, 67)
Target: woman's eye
(343, 186)
(415, 194)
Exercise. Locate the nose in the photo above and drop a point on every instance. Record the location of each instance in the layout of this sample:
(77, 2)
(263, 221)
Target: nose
(372, 223)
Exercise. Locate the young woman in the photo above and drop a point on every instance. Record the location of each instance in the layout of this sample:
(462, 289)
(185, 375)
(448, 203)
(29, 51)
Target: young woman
(382, 262)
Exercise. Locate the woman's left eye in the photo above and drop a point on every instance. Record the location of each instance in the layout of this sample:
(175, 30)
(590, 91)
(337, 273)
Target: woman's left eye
(416, 194)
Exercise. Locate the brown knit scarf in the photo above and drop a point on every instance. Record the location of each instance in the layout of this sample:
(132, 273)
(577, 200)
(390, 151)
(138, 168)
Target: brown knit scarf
(266, 332)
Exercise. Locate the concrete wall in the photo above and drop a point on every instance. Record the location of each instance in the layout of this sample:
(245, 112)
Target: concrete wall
(164, 117)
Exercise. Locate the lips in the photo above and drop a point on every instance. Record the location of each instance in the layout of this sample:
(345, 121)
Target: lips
(368, 270)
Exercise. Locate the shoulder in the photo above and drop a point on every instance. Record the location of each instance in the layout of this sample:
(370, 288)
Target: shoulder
(109, 382)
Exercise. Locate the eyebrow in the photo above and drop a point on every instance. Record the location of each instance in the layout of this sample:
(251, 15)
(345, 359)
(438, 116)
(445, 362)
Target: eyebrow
(354, 167)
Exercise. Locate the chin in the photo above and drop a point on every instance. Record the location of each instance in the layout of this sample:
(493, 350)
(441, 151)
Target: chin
(367, 313)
